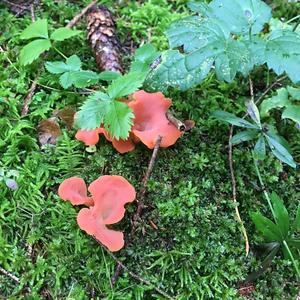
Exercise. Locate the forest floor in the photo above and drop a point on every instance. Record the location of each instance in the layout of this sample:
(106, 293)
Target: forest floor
(188, 243)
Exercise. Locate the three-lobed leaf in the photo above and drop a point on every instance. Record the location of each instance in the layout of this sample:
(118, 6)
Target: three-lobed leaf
(125, 85)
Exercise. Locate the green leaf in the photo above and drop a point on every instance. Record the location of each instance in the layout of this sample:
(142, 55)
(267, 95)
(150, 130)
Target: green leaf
(56, 67)
(125, 85)
(244, 136)
(282, 53)
(63, 33)
(296, 224)
(66, 80)
(268, 229)
(210, 40)
(239, 16)
(253, 112)
(260, 148)
(118, 120)
(92, 112)
(294, 243)
(232, 119)
(74, 63)
(294, 92)
(33, 50)
(292, 112)
(146, 54)
(278, 101)
(280, 151)
(281, 215)
(82, 79)
(174, 71)
(109, 75)
(38, 29)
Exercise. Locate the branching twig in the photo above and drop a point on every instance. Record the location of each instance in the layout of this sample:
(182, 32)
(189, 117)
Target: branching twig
(74, 21)
(134, 275)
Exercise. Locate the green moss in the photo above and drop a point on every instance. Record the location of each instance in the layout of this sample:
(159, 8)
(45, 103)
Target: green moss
(197, 252)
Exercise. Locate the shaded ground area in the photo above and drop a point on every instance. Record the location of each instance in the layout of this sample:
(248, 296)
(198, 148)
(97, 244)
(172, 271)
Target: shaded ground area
(188, 242)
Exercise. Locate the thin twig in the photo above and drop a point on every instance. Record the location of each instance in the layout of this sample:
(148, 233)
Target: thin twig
(179, 124)
(278, 80)
(142, 192)
(74, 21)
(134, 275)
(234, 197)
(32, 13)
(10, 275)
(29, 96)
(140, 200)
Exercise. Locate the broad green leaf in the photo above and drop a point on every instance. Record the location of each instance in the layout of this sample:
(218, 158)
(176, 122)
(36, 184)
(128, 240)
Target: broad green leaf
(109, 75)
(244, 136)
(210, 40)
(280, 151)
(281, 214)
(82, 79)
(93, 111)
(66, 80)
(296, 224)
(232, 119)
(292, 112)
(33, 50)
(125, 85)
(174, 71)
(253, 112)
(38, 29)
(268, 229)
(278, 101)
(282, 53)
(260, 148)
(63, 33)
(239, 16)
(118, 120)
(74, 63)
(56, 67)
(294, 92)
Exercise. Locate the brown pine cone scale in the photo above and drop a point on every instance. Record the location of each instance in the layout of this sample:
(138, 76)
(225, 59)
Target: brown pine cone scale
(103, 39)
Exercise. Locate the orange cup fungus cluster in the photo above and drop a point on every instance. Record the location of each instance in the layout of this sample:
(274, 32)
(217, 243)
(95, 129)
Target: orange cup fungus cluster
(150, 121)
(105, 206)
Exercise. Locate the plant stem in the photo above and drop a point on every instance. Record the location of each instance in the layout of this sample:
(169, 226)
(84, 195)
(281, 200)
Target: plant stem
(296, 25)
(293, 19)
(263, 185)
(292, 257)
(59, 52)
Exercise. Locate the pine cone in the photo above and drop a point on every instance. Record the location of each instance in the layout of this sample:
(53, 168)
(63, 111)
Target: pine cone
(103, 39)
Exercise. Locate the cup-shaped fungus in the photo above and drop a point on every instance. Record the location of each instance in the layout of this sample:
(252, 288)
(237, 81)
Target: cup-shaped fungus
(150, 120)
(91, 137)
(110, 194)
(74, 190)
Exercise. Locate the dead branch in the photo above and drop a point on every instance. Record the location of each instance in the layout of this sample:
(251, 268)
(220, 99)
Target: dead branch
(29, 96)
(179, 124)
(10, 275)
(75, 20)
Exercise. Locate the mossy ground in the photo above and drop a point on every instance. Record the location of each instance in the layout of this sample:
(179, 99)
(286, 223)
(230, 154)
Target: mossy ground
(197, 252)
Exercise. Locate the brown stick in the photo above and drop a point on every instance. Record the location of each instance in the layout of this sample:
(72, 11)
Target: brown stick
(10, 275)
(32, 13)
(134, 275)
(179, 124)
(74, 21)
(141, 204)
(142, 192)
(29, 96)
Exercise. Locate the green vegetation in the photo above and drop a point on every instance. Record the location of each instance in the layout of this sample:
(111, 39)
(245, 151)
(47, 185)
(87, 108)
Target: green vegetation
(197, 250)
